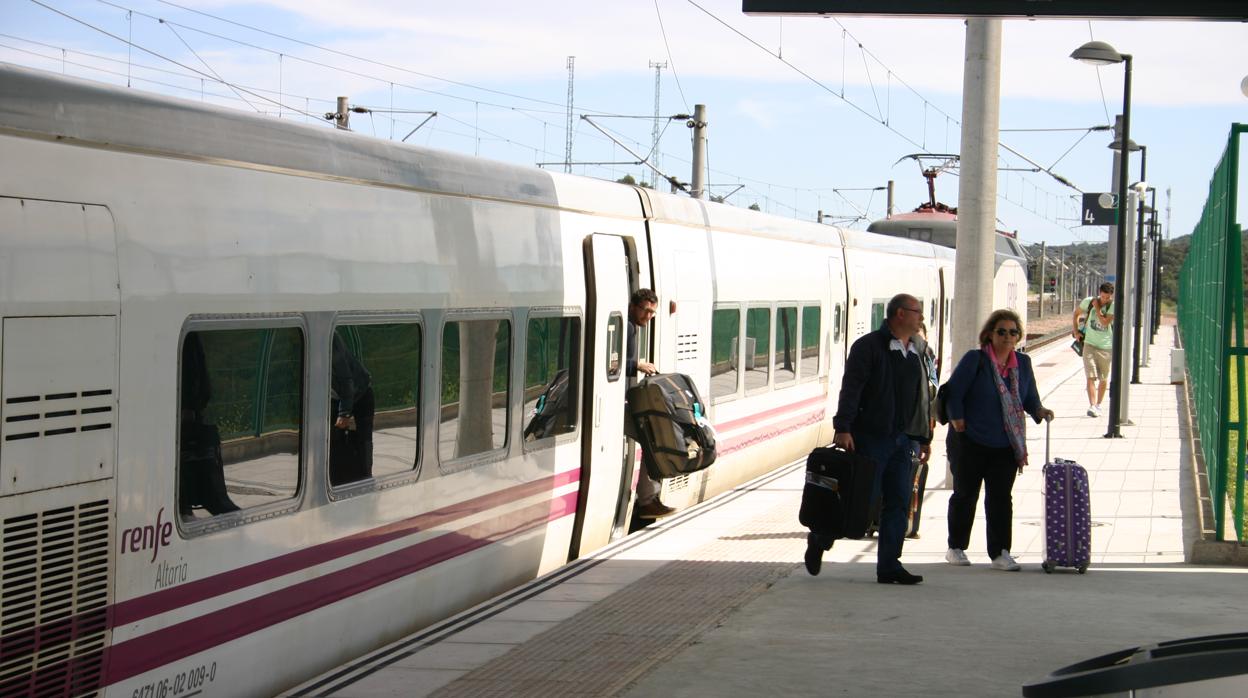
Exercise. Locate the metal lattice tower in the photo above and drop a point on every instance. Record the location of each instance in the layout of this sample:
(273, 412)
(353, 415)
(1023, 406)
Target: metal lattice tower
(567, 152)
(654, 134)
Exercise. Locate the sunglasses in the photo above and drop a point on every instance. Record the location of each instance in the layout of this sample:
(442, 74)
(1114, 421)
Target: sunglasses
(1001, 332)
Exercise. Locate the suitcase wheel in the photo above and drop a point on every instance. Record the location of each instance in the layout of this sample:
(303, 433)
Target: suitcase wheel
(1047, 567)
(1083, 568)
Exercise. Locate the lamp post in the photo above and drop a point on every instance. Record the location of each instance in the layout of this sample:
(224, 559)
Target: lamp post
(1101, 53)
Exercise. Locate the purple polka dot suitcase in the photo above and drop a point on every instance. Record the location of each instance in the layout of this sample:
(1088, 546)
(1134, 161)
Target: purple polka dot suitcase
(1067, 514)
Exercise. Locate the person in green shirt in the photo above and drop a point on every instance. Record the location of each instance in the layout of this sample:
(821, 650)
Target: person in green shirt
(1093, 325)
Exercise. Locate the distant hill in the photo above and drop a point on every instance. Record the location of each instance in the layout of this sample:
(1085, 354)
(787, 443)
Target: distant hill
(1173, 253)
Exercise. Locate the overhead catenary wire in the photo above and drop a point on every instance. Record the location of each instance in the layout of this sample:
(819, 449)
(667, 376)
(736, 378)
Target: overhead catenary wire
(130, 43)
(881, 120)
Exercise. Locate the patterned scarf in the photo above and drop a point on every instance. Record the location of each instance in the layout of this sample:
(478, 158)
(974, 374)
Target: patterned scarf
(1012, 411)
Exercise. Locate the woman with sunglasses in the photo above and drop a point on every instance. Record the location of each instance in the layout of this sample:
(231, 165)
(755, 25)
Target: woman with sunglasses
(988, 394)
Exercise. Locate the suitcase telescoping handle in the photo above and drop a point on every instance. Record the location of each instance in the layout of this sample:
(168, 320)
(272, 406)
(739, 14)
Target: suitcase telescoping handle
(1048, 429)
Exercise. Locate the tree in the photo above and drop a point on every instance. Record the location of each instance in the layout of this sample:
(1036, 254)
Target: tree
(627, 179)
(755, 207)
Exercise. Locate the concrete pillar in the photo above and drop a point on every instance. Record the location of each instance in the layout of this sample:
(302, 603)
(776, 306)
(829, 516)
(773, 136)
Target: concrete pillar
(977, 193)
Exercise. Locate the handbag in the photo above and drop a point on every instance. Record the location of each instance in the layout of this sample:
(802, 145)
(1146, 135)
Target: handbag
(942, 394)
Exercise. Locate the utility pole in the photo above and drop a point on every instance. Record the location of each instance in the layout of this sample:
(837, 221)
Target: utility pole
(654, 134)
(697, 183)
(342, 118)
(890, 199)
(567, 151)
(1061, 280)
(1044, 283)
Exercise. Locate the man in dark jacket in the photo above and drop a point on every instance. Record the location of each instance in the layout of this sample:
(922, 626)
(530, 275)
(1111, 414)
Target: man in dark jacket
(353, 404)
(883, 399)
(642, 306)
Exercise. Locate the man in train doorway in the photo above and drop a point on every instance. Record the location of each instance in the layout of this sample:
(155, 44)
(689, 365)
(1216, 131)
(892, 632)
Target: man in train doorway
(883, 394)
(1093, 325)
(642, 306)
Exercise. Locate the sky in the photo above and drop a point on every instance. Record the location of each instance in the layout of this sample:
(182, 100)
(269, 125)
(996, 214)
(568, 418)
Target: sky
(804, 114)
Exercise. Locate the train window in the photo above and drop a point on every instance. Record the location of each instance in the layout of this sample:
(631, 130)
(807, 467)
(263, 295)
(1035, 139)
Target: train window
(725, 331)
(877, 314)
(615, 346)
(374, 410)
(810, 341)
(785, 362)
(476, 358)
(240, 426)
(757, 348)
(836, 324)
(551, 377)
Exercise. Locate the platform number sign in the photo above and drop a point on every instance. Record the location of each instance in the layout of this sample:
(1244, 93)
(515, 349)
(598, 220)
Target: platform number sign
(1099, 209)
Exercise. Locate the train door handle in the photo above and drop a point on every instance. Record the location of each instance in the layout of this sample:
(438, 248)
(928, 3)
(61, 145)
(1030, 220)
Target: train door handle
(598, 412)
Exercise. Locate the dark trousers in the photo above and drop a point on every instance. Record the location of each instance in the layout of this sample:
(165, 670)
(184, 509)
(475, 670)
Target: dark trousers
(891, 455)
(351, 451)
(995, 468)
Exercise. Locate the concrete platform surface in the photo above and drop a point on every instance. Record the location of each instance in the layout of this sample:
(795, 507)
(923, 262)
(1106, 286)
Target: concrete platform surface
(715, 602)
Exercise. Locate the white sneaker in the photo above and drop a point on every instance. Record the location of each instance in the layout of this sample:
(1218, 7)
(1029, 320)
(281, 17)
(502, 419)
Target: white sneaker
(1094, 411)
(1005, 563)
(956, 556)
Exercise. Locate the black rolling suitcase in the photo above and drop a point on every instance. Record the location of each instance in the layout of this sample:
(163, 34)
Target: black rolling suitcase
(670, 420)
(836, 500)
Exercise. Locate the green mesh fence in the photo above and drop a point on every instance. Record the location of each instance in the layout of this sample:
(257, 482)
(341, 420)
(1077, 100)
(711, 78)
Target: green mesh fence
(1211, 322)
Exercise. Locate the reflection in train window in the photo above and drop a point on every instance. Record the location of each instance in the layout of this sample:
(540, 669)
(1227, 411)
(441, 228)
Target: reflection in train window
(836, 324)
(374, 386)
(615, 346)
(241, 419)
(786, 344)
(757, 348)
(725, 331)
(476, 356)
(551, 377)
(810, 341)
(877, 315)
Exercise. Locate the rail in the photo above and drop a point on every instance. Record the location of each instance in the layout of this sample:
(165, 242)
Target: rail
(1039, 342)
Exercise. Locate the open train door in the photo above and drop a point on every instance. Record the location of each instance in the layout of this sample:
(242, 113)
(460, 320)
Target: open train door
(942, 326)
(603, 481)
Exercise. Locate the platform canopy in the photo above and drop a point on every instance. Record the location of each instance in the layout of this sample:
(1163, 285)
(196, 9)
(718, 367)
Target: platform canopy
(1225, 10)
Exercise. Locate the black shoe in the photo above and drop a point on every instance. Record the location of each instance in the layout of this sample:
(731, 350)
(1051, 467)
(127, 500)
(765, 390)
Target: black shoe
(814, 559)
(898, 576)
(654, 510)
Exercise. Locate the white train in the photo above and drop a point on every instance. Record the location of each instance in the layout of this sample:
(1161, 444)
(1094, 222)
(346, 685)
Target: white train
(172, 277)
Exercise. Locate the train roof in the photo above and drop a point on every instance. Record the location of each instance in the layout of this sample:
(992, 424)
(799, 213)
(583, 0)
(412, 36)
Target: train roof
(36, 103)
(40, 104)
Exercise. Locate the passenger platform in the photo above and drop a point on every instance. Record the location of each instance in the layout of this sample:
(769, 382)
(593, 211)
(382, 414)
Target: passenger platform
(715, 600)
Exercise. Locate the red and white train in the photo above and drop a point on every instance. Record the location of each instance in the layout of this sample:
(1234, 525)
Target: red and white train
(172, 277)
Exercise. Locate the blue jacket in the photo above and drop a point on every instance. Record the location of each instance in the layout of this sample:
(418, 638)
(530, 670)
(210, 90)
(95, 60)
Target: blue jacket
(972, 395)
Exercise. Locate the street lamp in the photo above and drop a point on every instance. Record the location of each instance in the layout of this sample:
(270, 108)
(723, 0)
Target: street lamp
(1101, 53)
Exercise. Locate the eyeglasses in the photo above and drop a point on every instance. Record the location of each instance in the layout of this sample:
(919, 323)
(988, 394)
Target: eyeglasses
(914, 310)
(1001, 332)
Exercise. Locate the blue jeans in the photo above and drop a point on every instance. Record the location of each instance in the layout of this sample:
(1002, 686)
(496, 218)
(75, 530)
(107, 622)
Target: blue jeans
(891, 455)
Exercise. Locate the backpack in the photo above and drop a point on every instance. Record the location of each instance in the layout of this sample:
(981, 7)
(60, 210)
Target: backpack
(942, 395)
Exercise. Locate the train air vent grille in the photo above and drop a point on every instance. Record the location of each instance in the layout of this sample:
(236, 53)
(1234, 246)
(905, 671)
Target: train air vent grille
(54, 601)
(679, 482)
(686, 347)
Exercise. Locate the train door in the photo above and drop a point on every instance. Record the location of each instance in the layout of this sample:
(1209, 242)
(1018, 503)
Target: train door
(940, 322)
(603, 482)
(839, 315)
(59, 386)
